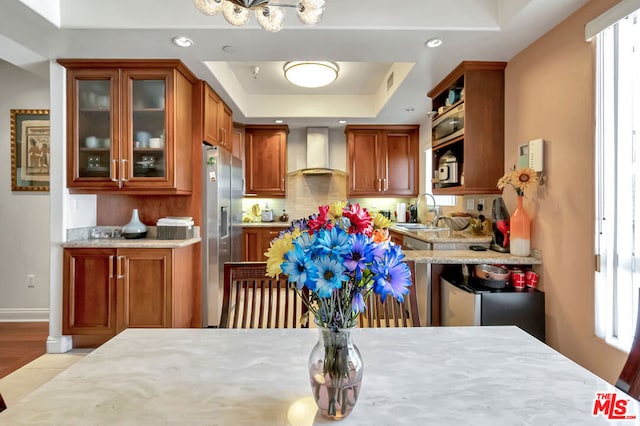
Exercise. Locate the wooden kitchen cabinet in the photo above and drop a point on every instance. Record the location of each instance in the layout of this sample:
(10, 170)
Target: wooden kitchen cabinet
(129, 126)
(108, 290)
(383, 160)
(217, 119)
(266, 160)
(475, 136)
(396, 238)
(256, 241)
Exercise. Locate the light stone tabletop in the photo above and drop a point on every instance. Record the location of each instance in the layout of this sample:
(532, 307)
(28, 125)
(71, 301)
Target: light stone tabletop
(413, 376)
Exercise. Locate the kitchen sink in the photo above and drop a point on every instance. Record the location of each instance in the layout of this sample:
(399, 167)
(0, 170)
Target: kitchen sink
(421, 227)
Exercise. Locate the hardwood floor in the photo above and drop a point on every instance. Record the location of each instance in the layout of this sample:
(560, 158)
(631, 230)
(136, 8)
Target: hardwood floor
(21, 343)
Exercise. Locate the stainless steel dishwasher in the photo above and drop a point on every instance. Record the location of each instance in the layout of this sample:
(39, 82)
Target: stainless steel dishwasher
(422, 279)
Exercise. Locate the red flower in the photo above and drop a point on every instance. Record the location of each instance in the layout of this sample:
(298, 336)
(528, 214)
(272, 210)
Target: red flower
(318, 222)
(360, 220)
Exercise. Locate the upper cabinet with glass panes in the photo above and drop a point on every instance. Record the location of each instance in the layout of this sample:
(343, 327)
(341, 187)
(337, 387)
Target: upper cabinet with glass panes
(129, 127)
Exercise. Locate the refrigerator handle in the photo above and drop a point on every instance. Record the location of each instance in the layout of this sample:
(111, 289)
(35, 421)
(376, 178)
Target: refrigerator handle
(225, 229)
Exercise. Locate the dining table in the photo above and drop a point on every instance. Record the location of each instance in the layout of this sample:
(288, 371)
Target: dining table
(497, 375)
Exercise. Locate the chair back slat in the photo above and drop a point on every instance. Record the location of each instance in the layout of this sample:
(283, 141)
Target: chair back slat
(253, 300)
(392, 313)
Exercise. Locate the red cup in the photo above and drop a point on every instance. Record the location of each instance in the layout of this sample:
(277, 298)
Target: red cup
(531, 279)
(517, 279)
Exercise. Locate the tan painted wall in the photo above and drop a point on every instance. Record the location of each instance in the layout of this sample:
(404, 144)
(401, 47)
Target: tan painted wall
(550, 95)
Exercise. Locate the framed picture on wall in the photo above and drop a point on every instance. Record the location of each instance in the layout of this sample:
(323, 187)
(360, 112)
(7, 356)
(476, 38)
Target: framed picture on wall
(30, 135)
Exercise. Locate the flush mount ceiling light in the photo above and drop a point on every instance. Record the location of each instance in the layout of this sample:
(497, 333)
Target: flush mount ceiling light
(269, 14)
(311, 73)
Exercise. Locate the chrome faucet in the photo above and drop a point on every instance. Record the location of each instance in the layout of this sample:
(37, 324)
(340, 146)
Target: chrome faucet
(436, 209)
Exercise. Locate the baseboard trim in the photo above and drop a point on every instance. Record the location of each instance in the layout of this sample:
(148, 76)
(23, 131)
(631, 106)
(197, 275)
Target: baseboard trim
(59, 344)
(24, 315)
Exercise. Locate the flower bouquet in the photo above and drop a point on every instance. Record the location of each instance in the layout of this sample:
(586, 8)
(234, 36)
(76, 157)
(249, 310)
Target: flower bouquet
(519, 227)
(342, 255)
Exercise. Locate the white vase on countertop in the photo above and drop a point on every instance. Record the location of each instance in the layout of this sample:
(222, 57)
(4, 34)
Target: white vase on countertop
(135, 228)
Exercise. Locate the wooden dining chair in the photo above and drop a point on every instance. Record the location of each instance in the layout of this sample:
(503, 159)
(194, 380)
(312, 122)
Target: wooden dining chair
(253, 300)
(629, 379)
(392, 313)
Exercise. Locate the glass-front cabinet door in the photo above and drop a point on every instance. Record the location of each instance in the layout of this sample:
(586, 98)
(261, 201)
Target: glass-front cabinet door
(94, 134)
(129, 126)
(146, 130)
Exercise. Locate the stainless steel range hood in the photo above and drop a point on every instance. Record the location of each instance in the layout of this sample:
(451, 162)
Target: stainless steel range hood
(318, 153)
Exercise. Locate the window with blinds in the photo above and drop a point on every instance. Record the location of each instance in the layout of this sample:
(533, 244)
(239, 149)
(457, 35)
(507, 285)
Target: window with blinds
(617, 186)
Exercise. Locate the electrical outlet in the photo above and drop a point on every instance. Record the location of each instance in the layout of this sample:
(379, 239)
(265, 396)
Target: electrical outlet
(471, 204)
(481, 201)
(31, 281)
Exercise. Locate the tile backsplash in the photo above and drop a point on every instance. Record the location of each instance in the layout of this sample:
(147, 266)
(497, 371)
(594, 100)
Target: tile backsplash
(306, 192)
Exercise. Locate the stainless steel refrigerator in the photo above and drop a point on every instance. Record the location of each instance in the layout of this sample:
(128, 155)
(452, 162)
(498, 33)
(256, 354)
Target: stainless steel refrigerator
(221, 225)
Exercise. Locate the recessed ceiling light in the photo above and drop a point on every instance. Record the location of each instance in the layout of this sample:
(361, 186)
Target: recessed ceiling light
(278, 121)
(434, 42)
(182, 41)
(342, 121)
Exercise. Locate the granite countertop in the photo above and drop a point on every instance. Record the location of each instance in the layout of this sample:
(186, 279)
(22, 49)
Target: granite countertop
(275, 224)
(447, 376)
(468, 257)
(82, 238)
(126, 243)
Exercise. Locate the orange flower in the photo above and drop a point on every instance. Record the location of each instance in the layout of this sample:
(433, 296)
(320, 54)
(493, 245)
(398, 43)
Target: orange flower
(381, 235)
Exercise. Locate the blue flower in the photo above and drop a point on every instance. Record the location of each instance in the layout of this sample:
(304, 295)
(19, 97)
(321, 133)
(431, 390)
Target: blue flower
(391, 276)
(330, 275)
(334, 241)
(361, 254)
(300, 269)
(357, 303)
(305, 241)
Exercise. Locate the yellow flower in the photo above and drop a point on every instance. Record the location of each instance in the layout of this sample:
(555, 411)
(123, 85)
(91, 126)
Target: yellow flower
(504, 181)
(520, 179)
(275, 254)
(524, 178)
(380, 221)
(335, 208)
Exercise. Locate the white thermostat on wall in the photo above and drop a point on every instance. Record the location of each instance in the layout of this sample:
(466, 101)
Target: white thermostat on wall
(530, 154)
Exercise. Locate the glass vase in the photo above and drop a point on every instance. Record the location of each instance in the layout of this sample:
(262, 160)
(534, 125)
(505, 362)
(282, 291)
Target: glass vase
(135, 228)
(520, 231)
(335, 372)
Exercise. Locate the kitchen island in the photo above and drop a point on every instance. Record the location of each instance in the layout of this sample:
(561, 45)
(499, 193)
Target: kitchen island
(413, 376)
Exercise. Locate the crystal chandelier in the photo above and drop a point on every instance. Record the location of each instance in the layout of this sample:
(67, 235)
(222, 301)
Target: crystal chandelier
(269, 14)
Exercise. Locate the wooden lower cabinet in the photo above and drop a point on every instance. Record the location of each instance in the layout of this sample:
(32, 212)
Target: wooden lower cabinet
(108, 290)
(255, 241)
(396, 238)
